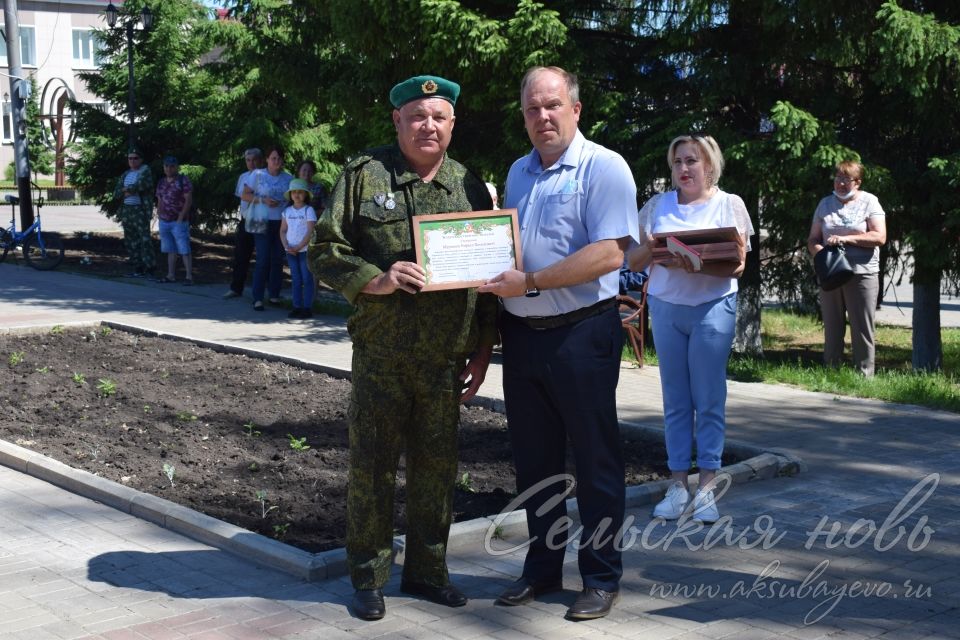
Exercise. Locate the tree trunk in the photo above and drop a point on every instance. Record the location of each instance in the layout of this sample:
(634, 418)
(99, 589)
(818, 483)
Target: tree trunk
(747, 339)
(927, 346)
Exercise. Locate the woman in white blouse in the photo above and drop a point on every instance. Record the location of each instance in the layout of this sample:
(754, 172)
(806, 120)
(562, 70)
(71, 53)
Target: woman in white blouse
(693, 310)
(854, 219)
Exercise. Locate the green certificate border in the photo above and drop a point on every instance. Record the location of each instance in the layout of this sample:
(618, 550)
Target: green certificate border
(460, 223)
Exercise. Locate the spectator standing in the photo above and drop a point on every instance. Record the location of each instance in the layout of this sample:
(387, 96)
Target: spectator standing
(268, 186)
(296, 231)
(243, 244)
(854, 220)
(306, 171)
(135, 190)
(174, 202)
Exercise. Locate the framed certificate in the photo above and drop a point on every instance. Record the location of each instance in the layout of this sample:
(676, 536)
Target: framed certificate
(463, 250)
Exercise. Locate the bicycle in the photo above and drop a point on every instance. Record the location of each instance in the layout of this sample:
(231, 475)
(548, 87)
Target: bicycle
(40, 251)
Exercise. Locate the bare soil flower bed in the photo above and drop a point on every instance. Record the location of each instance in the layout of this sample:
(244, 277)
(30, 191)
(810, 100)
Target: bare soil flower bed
(262, 445)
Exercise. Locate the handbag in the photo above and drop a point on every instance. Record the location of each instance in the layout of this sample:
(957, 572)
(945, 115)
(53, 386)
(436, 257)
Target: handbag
(257, 213)
(832, 267)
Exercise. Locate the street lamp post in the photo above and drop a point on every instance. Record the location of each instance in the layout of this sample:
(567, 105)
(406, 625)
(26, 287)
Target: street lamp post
(146, 16)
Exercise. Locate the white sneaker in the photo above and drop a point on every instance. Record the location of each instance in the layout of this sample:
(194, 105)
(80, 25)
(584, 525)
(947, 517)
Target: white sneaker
(673, 504)
(705, 507)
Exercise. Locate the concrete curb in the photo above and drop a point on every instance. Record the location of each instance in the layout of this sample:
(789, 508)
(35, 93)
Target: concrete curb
(759, 465)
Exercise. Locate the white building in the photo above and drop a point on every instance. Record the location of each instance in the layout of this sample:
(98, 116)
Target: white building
(56, 42)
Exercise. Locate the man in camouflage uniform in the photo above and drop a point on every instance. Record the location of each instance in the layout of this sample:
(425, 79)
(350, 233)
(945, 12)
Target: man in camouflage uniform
(135, 189)
(416, 356)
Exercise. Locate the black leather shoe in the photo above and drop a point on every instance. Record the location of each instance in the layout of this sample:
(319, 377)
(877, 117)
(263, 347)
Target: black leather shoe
(448, 596)
(592, 603)
(523, 591)
(368, 604)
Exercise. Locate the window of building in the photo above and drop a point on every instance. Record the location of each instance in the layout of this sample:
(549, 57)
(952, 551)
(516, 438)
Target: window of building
(28, 48)
(86, 48)
(7, 122)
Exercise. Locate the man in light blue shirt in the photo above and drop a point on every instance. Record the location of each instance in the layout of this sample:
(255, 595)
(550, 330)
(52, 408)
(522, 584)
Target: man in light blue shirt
(562, 340)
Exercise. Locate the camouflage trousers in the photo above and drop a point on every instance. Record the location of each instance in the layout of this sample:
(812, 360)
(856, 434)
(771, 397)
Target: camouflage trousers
(401, 405)
(135, 220)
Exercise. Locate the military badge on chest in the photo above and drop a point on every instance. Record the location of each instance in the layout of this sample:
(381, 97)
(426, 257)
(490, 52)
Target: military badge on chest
(385, 200)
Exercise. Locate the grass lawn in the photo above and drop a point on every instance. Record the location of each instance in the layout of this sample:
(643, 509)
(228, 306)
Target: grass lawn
(793, 353)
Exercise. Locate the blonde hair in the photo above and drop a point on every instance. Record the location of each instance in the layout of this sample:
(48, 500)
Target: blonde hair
(709, 150)
(851, 168)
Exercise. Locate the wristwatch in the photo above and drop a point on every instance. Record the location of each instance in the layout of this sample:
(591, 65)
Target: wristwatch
(532, 290)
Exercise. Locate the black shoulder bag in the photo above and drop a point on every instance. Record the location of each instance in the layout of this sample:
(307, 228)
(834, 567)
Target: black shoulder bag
(832, 267)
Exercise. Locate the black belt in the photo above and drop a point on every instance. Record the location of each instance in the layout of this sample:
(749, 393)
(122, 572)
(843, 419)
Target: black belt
(564, 319)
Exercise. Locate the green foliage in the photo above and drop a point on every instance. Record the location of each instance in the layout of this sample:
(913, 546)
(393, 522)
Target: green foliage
(298, 444)
(106, 387)
(15, 358)
(465, 483)
(917, 52)
(787, 89)
(261, 496)
(251, 430)
(79, 379)
(56, 330)
(41, 156)
(793, 352)
(186, 416)
(170, 471)
(179, 107)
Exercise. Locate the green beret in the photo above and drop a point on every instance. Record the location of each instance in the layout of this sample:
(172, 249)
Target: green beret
(424, 87)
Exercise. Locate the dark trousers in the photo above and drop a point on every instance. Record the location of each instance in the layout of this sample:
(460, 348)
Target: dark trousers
(268, 267)
(242, 252)
(559, 384)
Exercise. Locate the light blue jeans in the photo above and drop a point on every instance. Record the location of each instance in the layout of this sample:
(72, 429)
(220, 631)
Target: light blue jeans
(303, 284)
(693, 345)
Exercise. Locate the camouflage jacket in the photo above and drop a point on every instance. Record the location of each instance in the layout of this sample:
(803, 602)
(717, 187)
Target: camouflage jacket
(359, 236)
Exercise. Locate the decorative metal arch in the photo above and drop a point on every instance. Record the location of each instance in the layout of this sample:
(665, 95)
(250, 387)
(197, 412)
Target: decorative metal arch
(55, 110)
(55, 113)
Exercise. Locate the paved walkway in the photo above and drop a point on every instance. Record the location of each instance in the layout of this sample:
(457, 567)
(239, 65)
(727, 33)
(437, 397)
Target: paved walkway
(885, 563)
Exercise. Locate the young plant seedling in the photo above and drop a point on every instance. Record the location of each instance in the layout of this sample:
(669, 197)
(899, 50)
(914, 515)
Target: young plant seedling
(15, 358)
(43, 370)
(106, 387)
(186, 416)
(56, 330)
(298, 444)
(264, 509)
(105, 331)
(280, 530)
(251, 429)
(169, 470)
(79, 379)
(464, 483)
